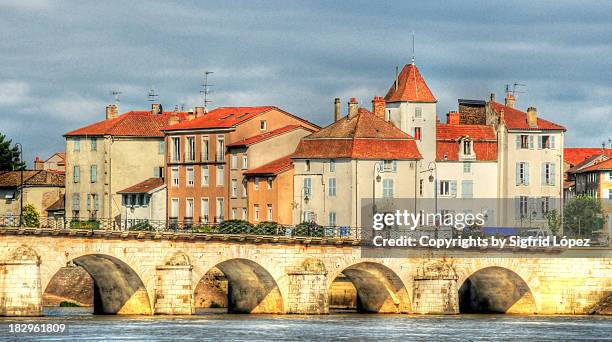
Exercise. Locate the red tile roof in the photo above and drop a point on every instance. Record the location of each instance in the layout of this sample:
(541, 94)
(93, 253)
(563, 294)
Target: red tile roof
(363, 136)
(600, 166)
(267, 135)
(411, 87)
(576, 155)
(272, 168)
(12, 179)
(515, 119)
(134, 123)
(594, 159)
(447, 141)
(143, 187)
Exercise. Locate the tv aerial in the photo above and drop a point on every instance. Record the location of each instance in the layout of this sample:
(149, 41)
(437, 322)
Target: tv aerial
(152, 95)
(206, 90)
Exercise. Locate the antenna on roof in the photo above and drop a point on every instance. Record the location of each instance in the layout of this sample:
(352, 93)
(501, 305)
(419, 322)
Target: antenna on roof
(206, 90)
(610, 142)
(413, 48)
(152, 95)
(514, 90)
(116, 94)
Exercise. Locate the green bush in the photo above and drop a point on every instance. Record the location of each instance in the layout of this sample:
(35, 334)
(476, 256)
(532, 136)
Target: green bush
(235, 227)
(142, 226)
(65, 304)
(267, 228)
(88, 224)
(205, 229)
(309, 229)
(31, 218)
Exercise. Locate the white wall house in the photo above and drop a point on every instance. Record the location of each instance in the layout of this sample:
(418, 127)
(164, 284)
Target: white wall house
(144, 202)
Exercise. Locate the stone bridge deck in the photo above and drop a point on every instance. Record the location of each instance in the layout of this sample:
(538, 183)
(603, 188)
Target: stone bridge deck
(156, 273)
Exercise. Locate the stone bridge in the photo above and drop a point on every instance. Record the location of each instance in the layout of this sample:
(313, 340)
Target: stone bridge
(149, 273)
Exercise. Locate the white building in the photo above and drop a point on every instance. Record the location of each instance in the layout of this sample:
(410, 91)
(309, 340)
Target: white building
(144, 203)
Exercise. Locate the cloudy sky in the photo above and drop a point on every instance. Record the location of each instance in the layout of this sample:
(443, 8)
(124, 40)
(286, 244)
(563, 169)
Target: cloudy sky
(59, 61)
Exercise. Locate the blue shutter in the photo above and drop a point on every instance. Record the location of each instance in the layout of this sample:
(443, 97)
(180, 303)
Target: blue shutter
(518, 173)
(543, 173)
(531, 142)
(518, 142)
(552, 142)
(553, 175)
(526, 173)
(453, 188)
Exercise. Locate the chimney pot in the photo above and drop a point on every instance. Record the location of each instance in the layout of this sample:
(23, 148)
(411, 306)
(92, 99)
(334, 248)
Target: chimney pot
(532, 117)
(510, 101)
(111, 111)
(452, 118)
(199, 111)
(492, 97)
(353, 107)
(190, 114)
(379, 106)
(336, 109)
(156, 108)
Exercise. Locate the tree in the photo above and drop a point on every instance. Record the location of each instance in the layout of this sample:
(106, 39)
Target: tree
(554, 221)
(9, 156)
(31, 218)
(583, 215)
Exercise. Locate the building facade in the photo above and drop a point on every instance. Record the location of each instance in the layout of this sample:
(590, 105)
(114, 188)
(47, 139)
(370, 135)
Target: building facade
(42, 189)
(144, 203)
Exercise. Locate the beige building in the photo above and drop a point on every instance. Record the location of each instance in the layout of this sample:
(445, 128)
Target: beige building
(57, 162)
(111, 155)
(43, 189)
(144, 204)
(358, 157)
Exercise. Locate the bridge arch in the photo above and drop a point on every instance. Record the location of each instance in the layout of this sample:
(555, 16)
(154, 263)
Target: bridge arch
(379, 289)
(117, 287)
(251, 288)
(495, 289)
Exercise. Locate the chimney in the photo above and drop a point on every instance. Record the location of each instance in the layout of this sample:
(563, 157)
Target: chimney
(190, 114)
(336, 109)
(353, 107)
(38, 164)
(492, 97)
(510, 100)
(173, 119)
(156, 109)
(532, 117)
(111, 111)
(452, 118)
(199, 111)
(378, 106)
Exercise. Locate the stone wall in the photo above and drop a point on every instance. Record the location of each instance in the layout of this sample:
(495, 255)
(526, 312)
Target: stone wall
(69, 284)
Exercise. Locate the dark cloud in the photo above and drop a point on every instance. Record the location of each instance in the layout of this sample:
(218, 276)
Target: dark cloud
(59, 61)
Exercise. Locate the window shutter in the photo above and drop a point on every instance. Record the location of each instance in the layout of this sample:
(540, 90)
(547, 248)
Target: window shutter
(467, 189)
(543, 174)
(531, 142)
(539, 142)
(552, 142)
(395, 166)
(553, 175)
(88, 202)
(518, 173)
(518, 142)
(453, 189)
(517, 208)
(526, 173)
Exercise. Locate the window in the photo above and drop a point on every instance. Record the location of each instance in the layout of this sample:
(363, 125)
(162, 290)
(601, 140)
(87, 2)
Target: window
(220, 208)
(176, 149)
(204, 210)
(234, 213)
(234, 162)
(244, 189)
(76, 173)
(93, 173)
(263, 125)
(174, 208)
(220, 148)
(467, 167)
(270, 212)
(544, 206)
(332, 187)
(76, 201)
(548, 173)
(467, 189)
(175, 176)
(161, 147)
(205, 175)
(190, 149)
(189, 208)
(467, 147)
(96, 201)
(546, 142)
(269, 182)
(234, 188)
(387, 166)
(445, 188)
(244, 214)
(524, 142)
(332, 165)
(523, 207)
(522, 173)
(158, 171)
(256, 183)
(610, 194)
(388, 188)
(421, 187)
(220, 175)
(332, 219)
(307, 167)
(309, 216)
(307, 186)
(190, 176)
(77, 145)
(94, 144)
(204, 152)
(418, 112)
(256, 212)
(417, 133)
(245, 162)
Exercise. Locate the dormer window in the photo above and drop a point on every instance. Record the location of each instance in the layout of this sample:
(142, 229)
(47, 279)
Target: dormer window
(466, 148)
(263, 125)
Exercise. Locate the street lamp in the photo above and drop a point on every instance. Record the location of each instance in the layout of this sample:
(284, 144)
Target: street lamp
(432, 168)
(20, 184)
(376, 179)
(303, 198)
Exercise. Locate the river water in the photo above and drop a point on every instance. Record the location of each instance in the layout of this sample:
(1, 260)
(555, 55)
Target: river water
(82, 325)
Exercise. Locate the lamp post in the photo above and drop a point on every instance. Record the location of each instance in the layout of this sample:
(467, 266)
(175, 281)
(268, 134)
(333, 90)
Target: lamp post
(432, 168)
(303, 198)
(375, 179)
(20, 184)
